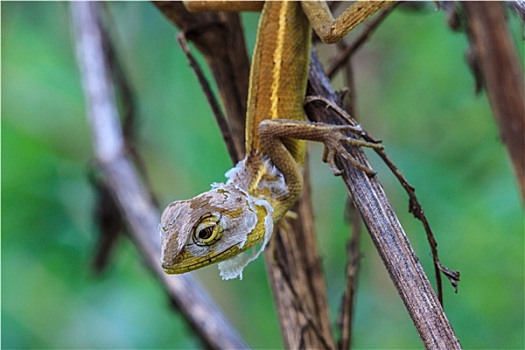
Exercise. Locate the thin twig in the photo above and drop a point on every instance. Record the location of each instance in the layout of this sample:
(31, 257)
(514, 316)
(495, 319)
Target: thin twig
(212, 100)
(219, 37)
(346, 313)
(415, 207)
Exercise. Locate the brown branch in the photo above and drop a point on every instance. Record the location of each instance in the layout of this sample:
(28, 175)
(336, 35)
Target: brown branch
(386, 232)
(297, 280)
(126, 187)
(346, 312)
(502, 74)
(345, 320)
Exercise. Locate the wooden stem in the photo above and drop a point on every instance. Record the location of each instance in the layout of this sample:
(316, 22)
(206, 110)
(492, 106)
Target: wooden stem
(502, 74)
(386, 231)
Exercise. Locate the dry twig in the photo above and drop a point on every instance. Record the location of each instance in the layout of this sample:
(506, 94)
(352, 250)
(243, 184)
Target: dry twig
(214, 104)
(386, 232)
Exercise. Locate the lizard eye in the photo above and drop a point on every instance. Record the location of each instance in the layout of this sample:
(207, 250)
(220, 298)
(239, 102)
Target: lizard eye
(207, 231)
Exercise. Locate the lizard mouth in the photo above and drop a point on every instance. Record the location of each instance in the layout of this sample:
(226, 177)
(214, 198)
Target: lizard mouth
(182, 263)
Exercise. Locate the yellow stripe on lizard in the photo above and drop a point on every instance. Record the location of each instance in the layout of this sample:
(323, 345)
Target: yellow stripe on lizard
(279, 70)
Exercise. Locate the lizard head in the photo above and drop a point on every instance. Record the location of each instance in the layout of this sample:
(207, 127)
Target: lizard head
(216, 226)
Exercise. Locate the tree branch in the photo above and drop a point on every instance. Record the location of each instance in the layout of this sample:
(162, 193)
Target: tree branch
(502, 73)
(386, 231)
(121, 177)
(352, 216)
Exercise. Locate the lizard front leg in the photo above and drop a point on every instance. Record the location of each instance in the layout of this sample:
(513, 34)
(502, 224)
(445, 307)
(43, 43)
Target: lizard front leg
(273, 132)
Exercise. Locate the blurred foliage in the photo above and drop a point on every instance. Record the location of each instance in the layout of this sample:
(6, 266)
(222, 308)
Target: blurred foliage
(414, 92)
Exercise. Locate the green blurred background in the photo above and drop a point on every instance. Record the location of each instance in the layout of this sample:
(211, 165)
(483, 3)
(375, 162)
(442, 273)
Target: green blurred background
(414, 92)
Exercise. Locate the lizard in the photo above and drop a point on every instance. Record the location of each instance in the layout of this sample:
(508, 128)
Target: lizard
(226, 221)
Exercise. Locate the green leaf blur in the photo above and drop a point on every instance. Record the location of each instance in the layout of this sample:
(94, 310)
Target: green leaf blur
(414, 92)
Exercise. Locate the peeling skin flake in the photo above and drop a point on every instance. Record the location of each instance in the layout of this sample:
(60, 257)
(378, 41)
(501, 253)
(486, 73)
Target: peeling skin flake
(232, 268)
(230, 174)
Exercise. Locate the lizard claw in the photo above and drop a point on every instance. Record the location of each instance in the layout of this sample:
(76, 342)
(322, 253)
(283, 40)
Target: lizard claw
(329, 154)
(334, 145)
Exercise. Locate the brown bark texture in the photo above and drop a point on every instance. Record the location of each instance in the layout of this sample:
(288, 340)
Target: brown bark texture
(385, 230)
(502, 74)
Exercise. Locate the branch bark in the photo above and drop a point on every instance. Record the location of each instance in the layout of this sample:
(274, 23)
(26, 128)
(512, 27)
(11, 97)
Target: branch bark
(502, 73)
(297, 279)
(126, 187)
(386, 232)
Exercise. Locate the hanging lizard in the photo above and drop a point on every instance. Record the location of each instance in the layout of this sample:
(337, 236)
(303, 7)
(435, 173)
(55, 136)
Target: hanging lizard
(232, 217)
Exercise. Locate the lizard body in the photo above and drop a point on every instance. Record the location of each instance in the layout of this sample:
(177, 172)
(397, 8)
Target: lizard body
(231, 218)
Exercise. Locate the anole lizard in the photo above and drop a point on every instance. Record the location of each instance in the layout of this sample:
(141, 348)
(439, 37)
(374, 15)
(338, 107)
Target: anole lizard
(220, 224)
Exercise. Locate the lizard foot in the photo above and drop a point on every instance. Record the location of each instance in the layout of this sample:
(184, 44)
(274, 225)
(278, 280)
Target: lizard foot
(334, 144)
